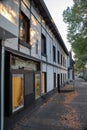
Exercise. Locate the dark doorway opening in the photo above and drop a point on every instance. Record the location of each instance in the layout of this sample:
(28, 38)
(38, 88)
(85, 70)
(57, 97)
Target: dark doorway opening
(7, 89)
(58, 82)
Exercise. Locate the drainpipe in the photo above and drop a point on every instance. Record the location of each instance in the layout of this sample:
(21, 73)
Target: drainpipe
(2, 84)
(41, 78)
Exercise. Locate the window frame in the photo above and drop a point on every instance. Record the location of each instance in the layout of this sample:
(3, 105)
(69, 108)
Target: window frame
(26, 41)
(54, 53)
(58, 54)
(61, 60)
(43, 45)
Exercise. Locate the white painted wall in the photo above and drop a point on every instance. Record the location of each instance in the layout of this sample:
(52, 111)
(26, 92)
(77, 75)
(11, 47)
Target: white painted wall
(35, 37)
(35, 12)
(49, 78)
(44, 67)
(27, 3)
(49, 49)
(9, 16)
(25, 10)
(12, 43)
(24, 50)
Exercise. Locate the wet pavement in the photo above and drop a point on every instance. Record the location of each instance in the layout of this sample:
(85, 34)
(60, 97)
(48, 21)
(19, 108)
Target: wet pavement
(62, 111)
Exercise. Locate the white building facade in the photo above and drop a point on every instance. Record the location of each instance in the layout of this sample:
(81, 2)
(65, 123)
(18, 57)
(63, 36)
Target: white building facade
(35, 56)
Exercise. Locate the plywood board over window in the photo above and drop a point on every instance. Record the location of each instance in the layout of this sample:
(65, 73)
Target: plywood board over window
(37, 85)
(44, 89)
(17, 92)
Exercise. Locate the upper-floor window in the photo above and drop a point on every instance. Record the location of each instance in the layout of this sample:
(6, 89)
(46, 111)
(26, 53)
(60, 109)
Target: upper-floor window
(43, 44)
(24, 28)
(61, 59)
(54, 53)
(58, 57)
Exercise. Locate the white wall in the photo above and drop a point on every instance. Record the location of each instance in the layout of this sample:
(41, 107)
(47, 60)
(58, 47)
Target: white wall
(35, 37)
(44, 67)
(36, 28)
(49, 78)
(9, 16)
(12, 43)
(49, 49)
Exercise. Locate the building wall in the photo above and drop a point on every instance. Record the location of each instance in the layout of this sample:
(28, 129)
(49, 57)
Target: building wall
(28, 74)
(35, 37)
(9, 16)
(49, 49)
(49, 78)
(37, 27)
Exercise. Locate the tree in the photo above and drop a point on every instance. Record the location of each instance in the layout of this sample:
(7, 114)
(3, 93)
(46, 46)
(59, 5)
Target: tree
(76, 18)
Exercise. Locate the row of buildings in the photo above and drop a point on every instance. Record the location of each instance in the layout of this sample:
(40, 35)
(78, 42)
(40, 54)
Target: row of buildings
(33, 56)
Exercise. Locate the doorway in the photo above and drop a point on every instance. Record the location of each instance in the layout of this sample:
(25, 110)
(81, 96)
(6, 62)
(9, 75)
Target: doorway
(58, 82)
(7, 89)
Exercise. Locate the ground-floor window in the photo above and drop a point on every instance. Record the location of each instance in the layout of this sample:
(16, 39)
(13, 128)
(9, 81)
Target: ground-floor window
(43, 90)
(23, 64)
(17, 91)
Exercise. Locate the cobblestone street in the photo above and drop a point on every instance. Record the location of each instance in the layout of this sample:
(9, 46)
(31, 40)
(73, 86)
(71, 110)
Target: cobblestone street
(62, 111)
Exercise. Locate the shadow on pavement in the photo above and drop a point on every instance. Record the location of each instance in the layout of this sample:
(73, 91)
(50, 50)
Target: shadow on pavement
(66, 91)
(84, 128)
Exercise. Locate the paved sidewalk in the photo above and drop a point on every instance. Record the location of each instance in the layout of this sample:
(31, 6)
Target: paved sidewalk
(63, 111)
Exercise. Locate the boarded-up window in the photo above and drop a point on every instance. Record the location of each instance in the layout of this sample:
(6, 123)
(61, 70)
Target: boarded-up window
(43, 83)
(17, 91)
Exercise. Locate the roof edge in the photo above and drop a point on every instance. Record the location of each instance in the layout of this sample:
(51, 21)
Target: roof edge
(48, 18)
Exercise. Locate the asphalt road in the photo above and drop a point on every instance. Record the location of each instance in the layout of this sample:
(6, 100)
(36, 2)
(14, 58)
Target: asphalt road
(62, 111)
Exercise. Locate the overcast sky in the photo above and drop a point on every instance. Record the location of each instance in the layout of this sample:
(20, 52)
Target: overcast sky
(56, 8)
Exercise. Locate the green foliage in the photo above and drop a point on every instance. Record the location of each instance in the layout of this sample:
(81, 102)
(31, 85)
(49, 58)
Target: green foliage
(76, 18)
